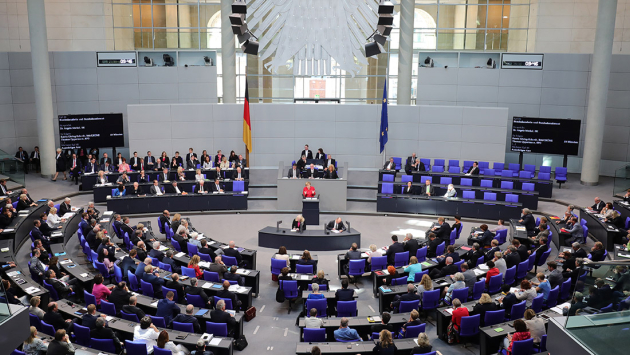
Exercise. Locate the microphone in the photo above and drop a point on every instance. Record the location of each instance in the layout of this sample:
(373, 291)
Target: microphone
(278, 225)
(348, 226)
(326, 230)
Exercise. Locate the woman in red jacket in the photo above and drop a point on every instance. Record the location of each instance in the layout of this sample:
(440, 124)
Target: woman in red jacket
(456, 321)
(492, 271)
(309, 191)
(194, 264)
(520, 333)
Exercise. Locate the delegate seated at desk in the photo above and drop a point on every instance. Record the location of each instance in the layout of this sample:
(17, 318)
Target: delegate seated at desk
(200, 187)
(298, 223)
(294, 172)
(156, 189)
(409, 189)
(336, 225)
(390, 165)
(598, 206)
(238, 175)
(311, 172)
(413, 164)
(427, 189)
(216, 187)
(301, 164)
(330, 173)
(473, 170)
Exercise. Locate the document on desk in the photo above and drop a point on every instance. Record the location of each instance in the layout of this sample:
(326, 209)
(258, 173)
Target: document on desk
(31, 290)
(478, 272)
(214, 342)
(242, 272)
(65, 262)
(154, 304)
(108, 213)
(204, 264)
(180, 254)
(305, 277)
(295, 257)
(207, 285)
(520, 228)
(335, 231)
(558, 309)
(483, 267)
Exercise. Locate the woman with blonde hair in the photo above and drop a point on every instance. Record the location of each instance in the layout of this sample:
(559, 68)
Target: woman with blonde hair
(194, 264)
(33, 345)
(413, 268)
(330, 173)
(385, 344)
(199, 176)
(320, 279)
(426, 284)
(176, 221)
(374, 252)
(308, 190)
(102, 179)
(53, 219)
(60, 165)
(298, 223)
(486, 304)
(225, 164)
(180, 174)
(34, 307)
(424, 346)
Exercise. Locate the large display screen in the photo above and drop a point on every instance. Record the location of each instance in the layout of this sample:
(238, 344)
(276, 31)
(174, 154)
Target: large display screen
(545, 135)
(100, 130)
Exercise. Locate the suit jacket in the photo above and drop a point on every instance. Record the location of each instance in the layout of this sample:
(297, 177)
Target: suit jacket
(218, 316)
(153, 189)
(294, 225)
(330, 175)
(149, 162)
(218, 268)
(598, 206)
(198, 291)
(432, 247)
(233, 277)
(392, 250)
(243, 174)
(423, 189)
(311, 174)
(580, 253)
(233, 253)
(419, 167)
(344, 295)
(45, 229)
(208, 251)
(109, 168)
(307, 153)
(119, 297)
(331, 226)
(444, 233)
(230, 295)
(63, 208)
(106, 333)
(530, 224)
(78, 166)
(155, 281)
(167, 309)
(206, 188)
(213, 187)
(109, 160)
(92, 168)
(22, 205)
(540, 251)
(37, 234)
(473, 171)
(490, 253)
(512, 259)
(60, 348)
(522, 252)
(23, 155)
(164, 219)
(154, 253)
(407, 297)
(135, 192)
(188, 156)
(294, 174)
(241, 163)
(448, 270)
(185, 318)
(171, 262)
(56, 320)
(133, 310)
(174, 285)
(89, 320)
(134, 163)
(410, 191)
(412, 247)
(390, 166)
(329, 162)
(178, 161)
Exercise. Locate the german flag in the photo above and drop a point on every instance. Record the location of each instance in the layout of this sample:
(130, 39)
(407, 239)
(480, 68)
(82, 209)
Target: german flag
(247, 125)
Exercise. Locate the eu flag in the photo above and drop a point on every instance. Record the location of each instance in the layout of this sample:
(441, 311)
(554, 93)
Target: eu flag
(384, 121)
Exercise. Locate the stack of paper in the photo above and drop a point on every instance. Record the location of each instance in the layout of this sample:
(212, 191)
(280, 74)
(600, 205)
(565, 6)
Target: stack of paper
(207, 285)
(204, 264)
(214, 342)
(65, 262)
(108, 213)
(242, 272)
(483, 267)
(478, 272)
(449, 310)
(32, 290)
(180, 254)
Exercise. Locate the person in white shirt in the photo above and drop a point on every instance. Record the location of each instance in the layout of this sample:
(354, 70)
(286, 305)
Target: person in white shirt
(207, 164)
(313, 321)
(53, 219)
(146, 333)
(199, 176)
(450, 192)
(282, 255)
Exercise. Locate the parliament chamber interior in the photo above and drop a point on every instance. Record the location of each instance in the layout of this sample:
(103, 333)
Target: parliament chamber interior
(314, 177)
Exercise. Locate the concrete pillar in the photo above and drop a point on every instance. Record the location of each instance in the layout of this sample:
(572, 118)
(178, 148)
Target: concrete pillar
(598, 91)
(228, 54)
(41, 82)
(405, 52)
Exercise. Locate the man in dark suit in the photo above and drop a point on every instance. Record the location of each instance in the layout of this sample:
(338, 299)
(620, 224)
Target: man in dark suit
(90, 238)
(473, 170)
(521, 249)
(120, 295)
(155, 252)
(188, 317)
(450, 252)
(511, 257)
(218, 266)
(385, 317)
(89, 319)
(125, 227)
(542, 248)
(241, 162)
(168, 259)
(427, 189)
(165, 218)
(191, 159)
(100, 331)
(135, 162)
(597, 207)
(577, 251)
(92, 167)
(36, 233)
(75, 168)
(128, 263)
(390, 165)
(105, 159)
(174, 284)
(507, 300)
(64, 207)
(473, 255)
(329, 161)
(448, 269)
(307, 153)
(167, 308)
(182, 240)
(84, 225)
(396, 247)
(136, 190)
(219, 315)
(225, 293)
(35, 158)
(494, 247)
(174, 189)
(239, 175)
(141, 249)
(23, 156)
(140, 268)
(107, 167)
(216, 187)
(443, 230)
(413, 164)
(149, 162)
(195, 290)
(528, 221)
(343, 294)
(301, 163)
(311, 172)
(201, 187)
(164, 175)
(156, 189)
(54, 318)
(294, 172)
(411, 295)
(411, 245)
(154, 279)
(434, 242)
(203, 249)
(132, 308)
(336, 225)
(233, 252)
(231, 275)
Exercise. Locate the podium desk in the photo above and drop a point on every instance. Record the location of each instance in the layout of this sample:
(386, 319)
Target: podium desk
(313, 240)
(176, 202)
(310, 211)
(602, 231)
